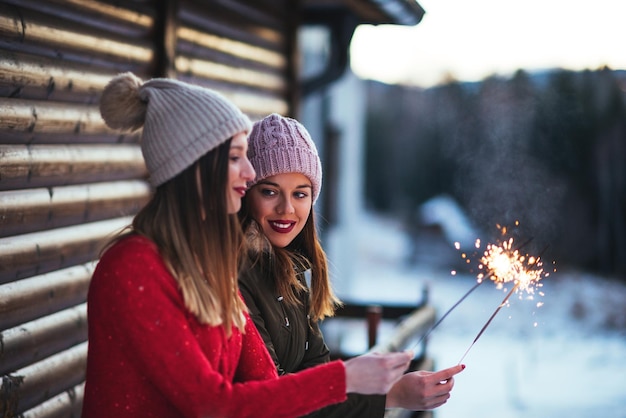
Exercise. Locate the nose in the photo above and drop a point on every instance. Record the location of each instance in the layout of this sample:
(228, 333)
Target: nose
(285, 206)
(248, 173)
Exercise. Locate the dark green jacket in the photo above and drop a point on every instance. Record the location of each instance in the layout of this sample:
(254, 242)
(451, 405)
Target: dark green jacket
(295, 342)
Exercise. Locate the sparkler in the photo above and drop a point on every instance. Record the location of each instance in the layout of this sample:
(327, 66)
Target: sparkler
(497, 264)
(524, 271)
(503, 264)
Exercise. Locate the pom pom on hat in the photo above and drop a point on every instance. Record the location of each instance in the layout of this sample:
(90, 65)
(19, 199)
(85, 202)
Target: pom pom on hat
(181, 122)
(278, 145)
(120, 105)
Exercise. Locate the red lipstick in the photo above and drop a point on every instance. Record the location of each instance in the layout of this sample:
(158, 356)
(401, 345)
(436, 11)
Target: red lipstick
(282, 227)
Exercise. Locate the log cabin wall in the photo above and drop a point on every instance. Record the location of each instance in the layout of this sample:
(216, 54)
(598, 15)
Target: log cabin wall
(67, 182)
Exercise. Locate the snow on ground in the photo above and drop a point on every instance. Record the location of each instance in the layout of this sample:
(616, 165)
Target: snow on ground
(565, 358)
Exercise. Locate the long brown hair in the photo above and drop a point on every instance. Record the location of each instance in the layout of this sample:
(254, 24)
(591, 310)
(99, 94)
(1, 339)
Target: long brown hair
(304, 252)
(200, 242)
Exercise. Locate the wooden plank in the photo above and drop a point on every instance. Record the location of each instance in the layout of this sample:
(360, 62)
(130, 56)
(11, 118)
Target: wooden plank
(259, 22)
(28, 299)
(229, 74)
(271, 58)
(37, 383)
(42, 252)
(25, 27)
(29, 76)
(32, 210)
(96, 13)
(256, 104)
(67, 404)
(36, 340)
(238, 48)
(56, 165)
(50, 117)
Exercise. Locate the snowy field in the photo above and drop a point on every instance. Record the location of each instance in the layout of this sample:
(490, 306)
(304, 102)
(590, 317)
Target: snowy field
(566, 358)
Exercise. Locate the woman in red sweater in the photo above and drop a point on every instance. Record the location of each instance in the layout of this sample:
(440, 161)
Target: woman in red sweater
(169, 335)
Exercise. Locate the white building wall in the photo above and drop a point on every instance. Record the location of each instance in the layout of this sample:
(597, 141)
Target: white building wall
(345, 109)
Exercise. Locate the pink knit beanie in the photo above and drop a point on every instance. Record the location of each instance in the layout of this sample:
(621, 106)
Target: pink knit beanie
(278, 145)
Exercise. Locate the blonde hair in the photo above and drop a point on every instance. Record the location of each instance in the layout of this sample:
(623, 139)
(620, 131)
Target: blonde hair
(200, 242)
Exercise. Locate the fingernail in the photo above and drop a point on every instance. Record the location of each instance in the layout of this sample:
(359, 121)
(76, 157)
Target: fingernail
(462, 366)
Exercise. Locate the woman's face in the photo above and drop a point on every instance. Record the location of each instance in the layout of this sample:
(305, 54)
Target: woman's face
(281, 205)
(240, 172)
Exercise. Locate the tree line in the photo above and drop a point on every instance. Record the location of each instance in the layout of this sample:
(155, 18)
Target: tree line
(547, 150)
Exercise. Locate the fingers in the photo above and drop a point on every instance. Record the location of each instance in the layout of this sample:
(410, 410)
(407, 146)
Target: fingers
(399, 356)
(403, 359)
(447, 374)
(440, 393)
(445, 386)
(396, 360)
(396, 364)
(437, 402)
(435, 388)
(375, 373)
(420, 390)
(445, 381)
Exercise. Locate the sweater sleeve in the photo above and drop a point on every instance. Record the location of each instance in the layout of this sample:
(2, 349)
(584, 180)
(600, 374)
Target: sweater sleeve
(136, 302)
(252, 365)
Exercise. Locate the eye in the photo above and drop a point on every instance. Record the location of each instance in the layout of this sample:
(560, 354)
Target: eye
(300, 195)
(268, 192)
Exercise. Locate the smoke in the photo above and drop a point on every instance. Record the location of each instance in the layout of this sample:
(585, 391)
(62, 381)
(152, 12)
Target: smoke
(498, 179)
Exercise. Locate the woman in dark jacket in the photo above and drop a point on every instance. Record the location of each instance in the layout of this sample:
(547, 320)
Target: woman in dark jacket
(278, 219)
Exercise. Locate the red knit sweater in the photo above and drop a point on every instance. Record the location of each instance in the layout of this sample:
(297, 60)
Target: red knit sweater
(149, 357)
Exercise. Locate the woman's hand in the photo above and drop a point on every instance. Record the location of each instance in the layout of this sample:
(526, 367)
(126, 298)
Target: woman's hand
(375, 373)
(422, 390)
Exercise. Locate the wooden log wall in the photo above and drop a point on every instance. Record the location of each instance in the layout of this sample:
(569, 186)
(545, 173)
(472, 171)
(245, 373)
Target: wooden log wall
(68, 183)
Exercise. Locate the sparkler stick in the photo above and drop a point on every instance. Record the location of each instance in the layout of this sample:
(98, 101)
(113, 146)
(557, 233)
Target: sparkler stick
(504, 301)
(432, 328)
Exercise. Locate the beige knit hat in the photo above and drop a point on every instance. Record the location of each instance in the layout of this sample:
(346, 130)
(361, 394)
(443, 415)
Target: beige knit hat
(181, 122)
(278, 145)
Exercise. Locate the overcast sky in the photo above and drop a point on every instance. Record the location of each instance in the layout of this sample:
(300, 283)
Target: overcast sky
(472, 39)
